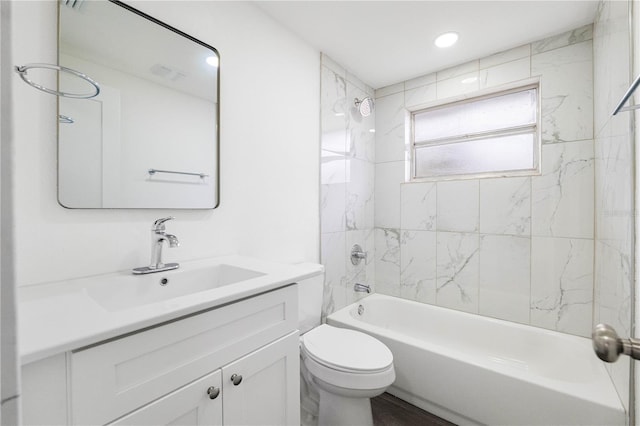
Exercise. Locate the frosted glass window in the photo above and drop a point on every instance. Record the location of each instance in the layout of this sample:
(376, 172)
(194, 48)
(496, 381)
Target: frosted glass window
(495, 134)
(498, 154)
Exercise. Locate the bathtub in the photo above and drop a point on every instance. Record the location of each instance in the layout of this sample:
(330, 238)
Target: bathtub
(472, 370)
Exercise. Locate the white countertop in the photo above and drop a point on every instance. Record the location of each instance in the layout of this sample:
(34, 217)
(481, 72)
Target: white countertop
(62, 316)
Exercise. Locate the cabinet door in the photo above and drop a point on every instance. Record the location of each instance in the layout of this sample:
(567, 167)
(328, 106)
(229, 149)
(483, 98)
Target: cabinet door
(136, 369)
(263, 388)
(199, 403)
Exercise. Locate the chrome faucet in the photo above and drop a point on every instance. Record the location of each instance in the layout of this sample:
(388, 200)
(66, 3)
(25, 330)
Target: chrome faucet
(158, 238)
(362, 288)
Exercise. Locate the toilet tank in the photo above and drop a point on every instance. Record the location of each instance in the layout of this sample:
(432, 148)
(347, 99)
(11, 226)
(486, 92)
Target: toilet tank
(310, 291)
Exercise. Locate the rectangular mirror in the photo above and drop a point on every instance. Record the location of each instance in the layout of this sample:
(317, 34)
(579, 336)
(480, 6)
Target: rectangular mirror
(150, 137)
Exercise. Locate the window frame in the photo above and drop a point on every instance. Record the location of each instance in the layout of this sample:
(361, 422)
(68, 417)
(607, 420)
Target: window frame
(474, 96)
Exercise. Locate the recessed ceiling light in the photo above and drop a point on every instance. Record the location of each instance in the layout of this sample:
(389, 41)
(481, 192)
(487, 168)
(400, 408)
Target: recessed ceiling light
(446, 39)
(213, 61)
(469, 80)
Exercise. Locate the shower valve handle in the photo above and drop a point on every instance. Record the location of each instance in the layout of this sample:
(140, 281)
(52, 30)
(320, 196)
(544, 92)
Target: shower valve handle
(357, 254)
(608, 345)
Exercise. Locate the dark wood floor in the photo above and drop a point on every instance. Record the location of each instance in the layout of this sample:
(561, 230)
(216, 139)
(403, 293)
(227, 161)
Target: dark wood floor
(391, 411)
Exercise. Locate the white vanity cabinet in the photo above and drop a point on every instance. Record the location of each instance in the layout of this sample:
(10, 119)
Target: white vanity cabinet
(258, 389)
(235, 364)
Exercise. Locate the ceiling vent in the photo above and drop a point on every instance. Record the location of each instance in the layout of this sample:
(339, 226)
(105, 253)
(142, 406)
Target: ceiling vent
(167, 73)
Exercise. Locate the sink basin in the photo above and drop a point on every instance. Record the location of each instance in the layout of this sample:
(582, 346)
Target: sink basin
(129, 291)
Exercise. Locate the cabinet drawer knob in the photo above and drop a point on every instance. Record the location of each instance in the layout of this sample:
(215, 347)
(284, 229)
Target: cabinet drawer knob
(213, 392)
(236, 379)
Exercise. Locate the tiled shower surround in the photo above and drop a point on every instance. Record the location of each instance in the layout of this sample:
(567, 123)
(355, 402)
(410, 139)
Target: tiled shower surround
(347, 178)
(516, 248)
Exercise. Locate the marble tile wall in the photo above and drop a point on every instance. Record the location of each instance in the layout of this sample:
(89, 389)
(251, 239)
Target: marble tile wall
(518, 248)
(347, 185)
(614, 189)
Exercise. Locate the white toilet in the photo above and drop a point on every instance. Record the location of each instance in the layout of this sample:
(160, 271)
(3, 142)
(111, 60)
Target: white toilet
(340, 369)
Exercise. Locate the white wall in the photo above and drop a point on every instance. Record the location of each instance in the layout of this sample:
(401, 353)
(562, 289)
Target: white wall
(269, 102)
(9, 371)
(635, 31)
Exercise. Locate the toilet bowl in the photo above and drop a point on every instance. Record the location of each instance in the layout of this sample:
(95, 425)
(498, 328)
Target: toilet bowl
(344, 368)
(340, 369)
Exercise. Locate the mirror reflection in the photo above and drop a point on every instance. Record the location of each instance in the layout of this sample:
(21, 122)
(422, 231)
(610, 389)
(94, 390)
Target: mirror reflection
(149, 139)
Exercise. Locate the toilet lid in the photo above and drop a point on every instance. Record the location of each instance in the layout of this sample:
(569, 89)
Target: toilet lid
(346, 350)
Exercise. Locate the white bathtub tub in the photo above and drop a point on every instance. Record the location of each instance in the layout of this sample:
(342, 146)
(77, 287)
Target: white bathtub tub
(471, 369)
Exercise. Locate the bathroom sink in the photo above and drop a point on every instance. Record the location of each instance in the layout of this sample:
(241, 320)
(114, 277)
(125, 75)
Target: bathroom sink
(129, 291)
(60, 316)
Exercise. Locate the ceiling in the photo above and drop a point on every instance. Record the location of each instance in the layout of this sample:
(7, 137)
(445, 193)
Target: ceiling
(385, 42)
(109, 35)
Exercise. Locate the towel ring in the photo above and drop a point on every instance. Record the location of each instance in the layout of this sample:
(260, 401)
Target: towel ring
(22, 71)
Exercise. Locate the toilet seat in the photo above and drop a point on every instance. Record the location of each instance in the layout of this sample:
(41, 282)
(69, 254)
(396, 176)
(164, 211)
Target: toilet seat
(346, 350)
(347, 358)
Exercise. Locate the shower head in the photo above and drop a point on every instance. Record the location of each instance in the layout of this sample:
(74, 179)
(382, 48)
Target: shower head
(365, 106)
